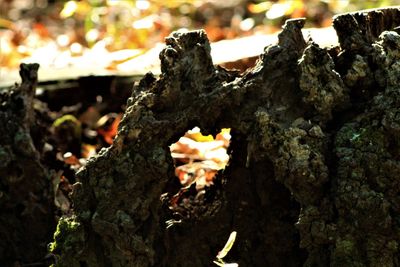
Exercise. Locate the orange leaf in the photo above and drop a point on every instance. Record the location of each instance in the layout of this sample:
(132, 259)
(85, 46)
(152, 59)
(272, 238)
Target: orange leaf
(108, 126)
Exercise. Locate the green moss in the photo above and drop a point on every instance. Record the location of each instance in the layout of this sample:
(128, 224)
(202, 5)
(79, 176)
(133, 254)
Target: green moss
(346, 253)
(344, 246)
(69, 239)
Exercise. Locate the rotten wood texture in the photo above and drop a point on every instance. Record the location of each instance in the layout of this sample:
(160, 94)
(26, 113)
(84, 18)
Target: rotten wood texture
(313, 177)
(26, 201)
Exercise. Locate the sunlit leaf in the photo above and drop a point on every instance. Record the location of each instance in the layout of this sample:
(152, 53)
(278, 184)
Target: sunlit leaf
(107, 126)
(143, 4)
(228, 245)
(41, 30)
(69, 9)
(121, 56)
(196, 135)
(145, 23)
(88, 151)
(247, 24)
(8, 24)
(223, 264)
(293, 9)
(260, 7)
(278, 10)
(70, 159)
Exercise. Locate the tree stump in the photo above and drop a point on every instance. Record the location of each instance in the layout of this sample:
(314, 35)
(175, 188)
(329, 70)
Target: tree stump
(313, 178)
(26, 198)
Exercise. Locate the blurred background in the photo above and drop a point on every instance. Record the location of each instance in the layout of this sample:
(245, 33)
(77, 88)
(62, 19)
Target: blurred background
(110, 32)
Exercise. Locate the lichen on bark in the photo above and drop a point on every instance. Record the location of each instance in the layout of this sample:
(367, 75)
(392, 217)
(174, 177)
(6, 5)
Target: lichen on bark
(368, 168)
(312, 179)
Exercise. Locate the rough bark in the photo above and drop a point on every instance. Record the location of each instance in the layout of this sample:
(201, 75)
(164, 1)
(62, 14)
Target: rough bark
(26, 207)
(313, 176)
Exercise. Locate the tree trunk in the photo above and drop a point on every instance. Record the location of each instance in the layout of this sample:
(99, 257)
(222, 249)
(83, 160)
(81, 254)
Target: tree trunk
(313, 178)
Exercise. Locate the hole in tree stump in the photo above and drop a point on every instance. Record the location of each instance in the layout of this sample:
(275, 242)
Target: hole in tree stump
(197, 160)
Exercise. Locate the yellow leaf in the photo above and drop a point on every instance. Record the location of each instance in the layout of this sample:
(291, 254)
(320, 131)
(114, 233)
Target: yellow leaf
(69, 9)
(260, 7)
(228, 246)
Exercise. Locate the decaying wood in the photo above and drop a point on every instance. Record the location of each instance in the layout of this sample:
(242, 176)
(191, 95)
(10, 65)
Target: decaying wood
(313, 176)
(26, 202)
